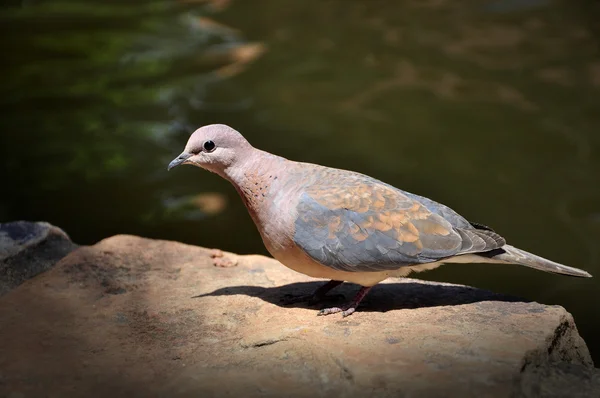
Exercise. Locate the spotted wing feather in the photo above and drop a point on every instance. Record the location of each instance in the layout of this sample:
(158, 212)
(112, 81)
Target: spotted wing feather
(362, 224)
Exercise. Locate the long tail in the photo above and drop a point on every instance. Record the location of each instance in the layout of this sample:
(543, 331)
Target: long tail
(511, 255)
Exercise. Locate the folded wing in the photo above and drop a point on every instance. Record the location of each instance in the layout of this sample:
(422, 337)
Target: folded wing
(371, 226)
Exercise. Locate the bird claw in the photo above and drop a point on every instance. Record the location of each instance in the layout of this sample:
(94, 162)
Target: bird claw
(350, 308)
(334, 310)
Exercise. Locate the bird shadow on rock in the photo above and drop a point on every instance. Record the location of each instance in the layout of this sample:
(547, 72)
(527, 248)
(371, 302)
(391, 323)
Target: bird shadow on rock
(382, 298)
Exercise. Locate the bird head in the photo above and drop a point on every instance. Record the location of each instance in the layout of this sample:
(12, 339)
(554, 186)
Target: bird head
(214, 147)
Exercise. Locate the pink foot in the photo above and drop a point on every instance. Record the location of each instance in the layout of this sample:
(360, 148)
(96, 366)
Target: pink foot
(350, 308)
(334, 310)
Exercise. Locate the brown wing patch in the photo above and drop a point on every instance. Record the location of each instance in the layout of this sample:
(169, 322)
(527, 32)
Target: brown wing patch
(334, 226)
(430, 227)
(409, 234)
(358, 233)
(352, 222)
(386, 210)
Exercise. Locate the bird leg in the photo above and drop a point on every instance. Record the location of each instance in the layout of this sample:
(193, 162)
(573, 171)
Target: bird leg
(351, 307)
(316, 296)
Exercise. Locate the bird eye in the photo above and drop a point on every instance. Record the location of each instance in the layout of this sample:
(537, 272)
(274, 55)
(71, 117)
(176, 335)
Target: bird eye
(209, 146)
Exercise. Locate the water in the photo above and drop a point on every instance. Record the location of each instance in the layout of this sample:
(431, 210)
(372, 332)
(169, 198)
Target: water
(490, 107)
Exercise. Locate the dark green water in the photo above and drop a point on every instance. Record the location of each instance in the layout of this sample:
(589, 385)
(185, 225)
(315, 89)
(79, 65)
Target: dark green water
(491, 107)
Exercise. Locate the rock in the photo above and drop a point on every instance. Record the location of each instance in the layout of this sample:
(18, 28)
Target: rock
(138, 317)
(560, 380)
(27, 249)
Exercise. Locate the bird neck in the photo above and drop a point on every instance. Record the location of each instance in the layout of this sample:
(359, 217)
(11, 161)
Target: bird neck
(254, 178)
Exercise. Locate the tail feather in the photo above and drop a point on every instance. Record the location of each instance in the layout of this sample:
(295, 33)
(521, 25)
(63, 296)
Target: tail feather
(512, 255)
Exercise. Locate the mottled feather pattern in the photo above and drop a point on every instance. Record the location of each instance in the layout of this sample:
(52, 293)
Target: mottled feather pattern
(352, 222)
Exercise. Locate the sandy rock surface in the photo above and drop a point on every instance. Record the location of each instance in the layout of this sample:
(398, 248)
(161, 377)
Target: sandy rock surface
(133, 317)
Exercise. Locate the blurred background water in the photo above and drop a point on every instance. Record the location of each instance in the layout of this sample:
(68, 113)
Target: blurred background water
(489, 106)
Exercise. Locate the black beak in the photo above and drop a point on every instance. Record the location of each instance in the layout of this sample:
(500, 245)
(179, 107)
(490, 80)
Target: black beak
(178, 160)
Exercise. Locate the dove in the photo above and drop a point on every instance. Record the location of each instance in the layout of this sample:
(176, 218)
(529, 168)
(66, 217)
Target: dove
(345, 226)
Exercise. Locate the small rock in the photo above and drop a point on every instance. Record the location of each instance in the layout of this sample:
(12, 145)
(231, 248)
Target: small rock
(27, 249)
(222, 260)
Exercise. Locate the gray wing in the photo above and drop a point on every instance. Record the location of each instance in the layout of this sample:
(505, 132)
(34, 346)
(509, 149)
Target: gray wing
(371, 226)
